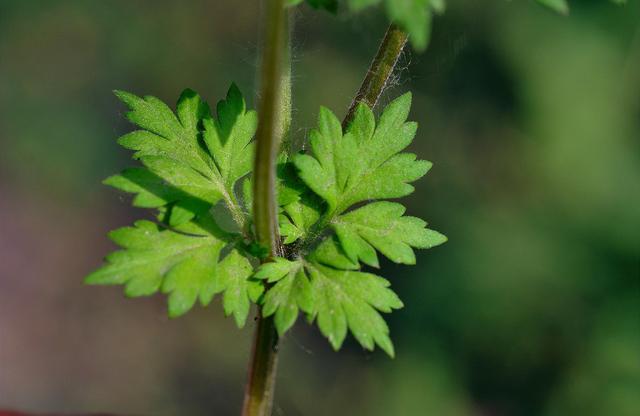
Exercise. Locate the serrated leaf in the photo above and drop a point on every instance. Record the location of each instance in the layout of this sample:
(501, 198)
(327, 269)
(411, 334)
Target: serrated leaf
(381, 225)
(275, 270)
(298, 217)
(190, 154)
(290, 293)
(193, 160)
(239, 290)
(164, 134)
(351, 300)
(289, 186)
(193, 278)
(329, 252)
(184, 263)
(151, 252)
(228, 137)
(363, 163)
(288, 230)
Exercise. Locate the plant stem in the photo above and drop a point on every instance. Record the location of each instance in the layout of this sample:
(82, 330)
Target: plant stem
(274, 110)
(379, 71)
(270, 125)
(259, 392)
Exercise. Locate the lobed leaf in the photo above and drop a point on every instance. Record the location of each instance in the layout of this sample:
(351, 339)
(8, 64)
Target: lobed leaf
(352, 300)
(191, 159)
(290, 293)
(239, 289)
(364, 163)
(184, 263)
(380, 225)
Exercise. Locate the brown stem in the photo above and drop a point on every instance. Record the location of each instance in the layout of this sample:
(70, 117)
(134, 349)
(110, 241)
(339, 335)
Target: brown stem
(259, 393)
(379, 72)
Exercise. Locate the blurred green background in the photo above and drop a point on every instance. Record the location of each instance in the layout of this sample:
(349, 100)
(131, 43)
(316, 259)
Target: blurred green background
(532, 121)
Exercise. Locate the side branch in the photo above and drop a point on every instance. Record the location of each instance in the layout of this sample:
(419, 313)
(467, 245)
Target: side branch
(380, 71)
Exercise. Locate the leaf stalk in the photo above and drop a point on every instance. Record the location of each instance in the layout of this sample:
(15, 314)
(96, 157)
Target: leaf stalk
(379, 71)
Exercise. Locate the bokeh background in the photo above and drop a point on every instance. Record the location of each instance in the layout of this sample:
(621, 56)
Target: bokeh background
(532, 121)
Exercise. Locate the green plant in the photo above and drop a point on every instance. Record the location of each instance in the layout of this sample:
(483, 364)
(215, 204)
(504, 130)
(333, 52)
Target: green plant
(305, 223)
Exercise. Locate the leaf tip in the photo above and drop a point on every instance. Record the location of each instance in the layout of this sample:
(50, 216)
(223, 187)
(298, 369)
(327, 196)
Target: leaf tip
(187, 93)
(437, 239)
(126, 97)
(91, 279)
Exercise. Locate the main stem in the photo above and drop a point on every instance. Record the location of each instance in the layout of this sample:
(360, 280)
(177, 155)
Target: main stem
(274, 111)
(270, 125)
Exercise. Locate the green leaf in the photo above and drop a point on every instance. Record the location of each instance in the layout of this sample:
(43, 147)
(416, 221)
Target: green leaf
(298, 217)
(290, 294)
(239, 290)
(188, 155)
(339, 299)
(149, 189)
(276, 269)
(329, 252)
(350, 299)
(192, 161)
(344, 168)
(183, 262)
(290, 187)
(192, 278)
(559, 6)
(364, 163)
(380, 225)
(228, 137)
(164, 134)
(288, 230)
